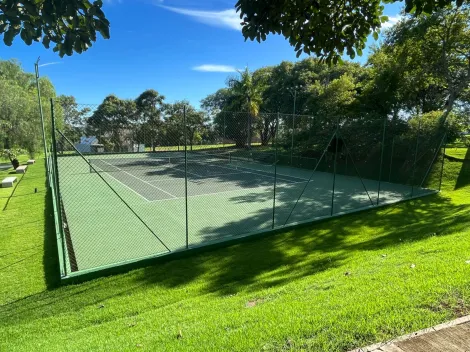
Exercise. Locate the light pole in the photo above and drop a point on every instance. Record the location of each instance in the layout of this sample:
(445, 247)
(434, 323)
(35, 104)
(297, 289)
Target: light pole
(293, 91)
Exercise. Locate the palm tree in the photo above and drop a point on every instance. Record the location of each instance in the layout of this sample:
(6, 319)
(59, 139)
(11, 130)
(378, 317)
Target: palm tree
(248, 89)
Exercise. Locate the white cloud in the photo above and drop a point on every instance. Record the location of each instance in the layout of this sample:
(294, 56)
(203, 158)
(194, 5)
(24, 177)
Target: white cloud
(392, 20)
(215, 68)
(225, 18)
(50, 63)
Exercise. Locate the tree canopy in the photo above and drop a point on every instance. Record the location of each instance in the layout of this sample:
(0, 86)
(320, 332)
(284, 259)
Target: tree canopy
(324, 28)
(20, 125)
(421, 72)
(69, 25)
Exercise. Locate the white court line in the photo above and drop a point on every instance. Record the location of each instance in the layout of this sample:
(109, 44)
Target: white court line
(114, 178)
(235, 173)
(208, 176)
(269, 188)
(141, 180)
(214, 193)
(182, 178)
(259, 174)
(183, 171)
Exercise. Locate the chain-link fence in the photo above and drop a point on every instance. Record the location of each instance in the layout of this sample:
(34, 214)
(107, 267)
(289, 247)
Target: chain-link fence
(128, 185)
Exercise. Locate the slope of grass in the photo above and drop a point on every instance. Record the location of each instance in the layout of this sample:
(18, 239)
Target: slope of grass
(5, 193)
(331, 286)
(459, 153)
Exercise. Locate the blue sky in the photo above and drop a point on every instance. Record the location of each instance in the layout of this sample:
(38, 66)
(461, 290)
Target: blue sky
(172, 46)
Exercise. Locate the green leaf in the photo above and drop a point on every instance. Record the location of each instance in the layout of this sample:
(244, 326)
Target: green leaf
(46, 41)
(9, 36)
(103, 28)
(26, 36)
(77, 46)
(69, 43)
(375, 35)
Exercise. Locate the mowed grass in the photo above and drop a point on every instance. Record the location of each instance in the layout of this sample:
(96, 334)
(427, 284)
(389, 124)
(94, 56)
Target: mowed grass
(459, 153)
(5, 193)
(331, 286)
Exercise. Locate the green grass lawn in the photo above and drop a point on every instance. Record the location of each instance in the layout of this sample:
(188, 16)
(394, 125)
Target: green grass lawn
(5, 193)
(458, 152)
(331, 286)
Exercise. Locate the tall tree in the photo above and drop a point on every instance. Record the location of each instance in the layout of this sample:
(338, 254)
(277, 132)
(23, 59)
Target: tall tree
(435, 53)
(222, 107)
(113, 122)
(174, 123)
(149, 109)
(248, 88)
(20, 124)
(74, 117)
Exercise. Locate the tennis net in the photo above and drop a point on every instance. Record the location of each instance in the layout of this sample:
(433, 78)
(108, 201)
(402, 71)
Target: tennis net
(120, 164)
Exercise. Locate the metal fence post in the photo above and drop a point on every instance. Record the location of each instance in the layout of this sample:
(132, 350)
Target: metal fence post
(334, 170)
(292, 139)
(391, 160)
(186, 175)
(443, 161)
(248, 144)
(275, 170)
(415, 159)
(36, 67)
(381, 160)
(57, 187)
(223, 138)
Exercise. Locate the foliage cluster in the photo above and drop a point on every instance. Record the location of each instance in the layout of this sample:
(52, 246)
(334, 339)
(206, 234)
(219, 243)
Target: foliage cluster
(20, 125)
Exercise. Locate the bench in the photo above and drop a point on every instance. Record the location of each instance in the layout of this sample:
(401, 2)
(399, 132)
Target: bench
(31, 161)
(21, 169)
(8, 182)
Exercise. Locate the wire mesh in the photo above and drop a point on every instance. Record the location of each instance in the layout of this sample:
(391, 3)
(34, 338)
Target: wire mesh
(133, 184)
(233, 195)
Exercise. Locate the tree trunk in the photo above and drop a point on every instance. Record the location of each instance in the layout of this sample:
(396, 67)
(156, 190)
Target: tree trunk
(265, 134)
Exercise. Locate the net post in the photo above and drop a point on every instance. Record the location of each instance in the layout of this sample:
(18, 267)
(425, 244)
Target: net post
(275, 171)
(186, 175)
(415, 158)
(334, 170)
(443, 161)
(381, 159)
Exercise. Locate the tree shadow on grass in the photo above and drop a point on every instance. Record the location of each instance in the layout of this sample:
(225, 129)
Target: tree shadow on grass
(307, 250)
(252, 266)
(50, 257)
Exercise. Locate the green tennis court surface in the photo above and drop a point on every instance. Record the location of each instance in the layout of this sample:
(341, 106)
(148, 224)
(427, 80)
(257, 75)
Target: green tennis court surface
(226, 198)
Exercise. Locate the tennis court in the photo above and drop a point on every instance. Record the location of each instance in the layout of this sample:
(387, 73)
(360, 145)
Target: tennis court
(126, 207)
